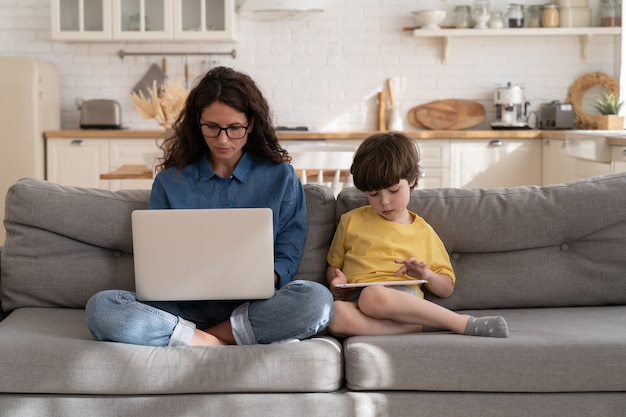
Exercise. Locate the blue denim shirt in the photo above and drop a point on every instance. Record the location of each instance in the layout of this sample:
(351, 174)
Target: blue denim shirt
(252, 184)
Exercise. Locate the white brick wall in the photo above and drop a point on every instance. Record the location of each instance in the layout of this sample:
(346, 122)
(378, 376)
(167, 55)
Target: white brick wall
(322, 70)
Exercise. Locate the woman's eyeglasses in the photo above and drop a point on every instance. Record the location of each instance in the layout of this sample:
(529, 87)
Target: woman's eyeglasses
(232, 132)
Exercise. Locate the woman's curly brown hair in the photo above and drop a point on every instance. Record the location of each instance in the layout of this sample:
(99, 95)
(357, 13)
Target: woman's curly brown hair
(235, 89)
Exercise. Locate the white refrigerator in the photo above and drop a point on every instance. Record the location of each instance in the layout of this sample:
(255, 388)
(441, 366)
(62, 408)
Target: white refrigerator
(29, 105)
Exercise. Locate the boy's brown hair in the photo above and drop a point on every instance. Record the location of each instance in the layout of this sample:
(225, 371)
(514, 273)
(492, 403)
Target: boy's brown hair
(383, 159)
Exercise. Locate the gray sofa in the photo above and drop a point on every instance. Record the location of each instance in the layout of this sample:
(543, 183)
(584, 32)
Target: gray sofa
(551, 260)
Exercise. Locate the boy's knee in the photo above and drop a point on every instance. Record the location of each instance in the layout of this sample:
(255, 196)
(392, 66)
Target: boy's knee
(373, 300)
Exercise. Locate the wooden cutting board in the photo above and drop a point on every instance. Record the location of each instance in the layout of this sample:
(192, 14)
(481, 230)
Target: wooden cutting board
(449, 114)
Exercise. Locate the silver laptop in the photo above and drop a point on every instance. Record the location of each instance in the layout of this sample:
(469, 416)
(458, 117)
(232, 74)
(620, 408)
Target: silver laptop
(205, 254)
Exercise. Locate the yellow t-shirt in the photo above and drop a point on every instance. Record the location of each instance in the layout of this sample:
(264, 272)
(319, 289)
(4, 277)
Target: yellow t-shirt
(366, 246)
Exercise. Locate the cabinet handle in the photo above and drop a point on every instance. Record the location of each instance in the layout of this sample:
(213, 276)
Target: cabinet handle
(77, 142)
(495, 143)
(624, 152)
(423, 174)
(546, 142)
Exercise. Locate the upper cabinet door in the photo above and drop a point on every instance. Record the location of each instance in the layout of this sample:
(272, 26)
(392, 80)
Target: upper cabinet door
(204, 20)
(80, 20)
(142, 19)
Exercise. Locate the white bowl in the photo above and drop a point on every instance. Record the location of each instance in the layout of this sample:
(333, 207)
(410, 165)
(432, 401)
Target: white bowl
(429, 19)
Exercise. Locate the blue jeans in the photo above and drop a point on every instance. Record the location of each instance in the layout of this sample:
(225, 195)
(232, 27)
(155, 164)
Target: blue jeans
(299, 310)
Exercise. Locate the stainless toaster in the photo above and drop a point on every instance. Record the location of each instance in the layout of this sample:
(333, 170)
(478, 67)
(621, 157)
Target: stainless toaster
(556, 115)
(100, 114)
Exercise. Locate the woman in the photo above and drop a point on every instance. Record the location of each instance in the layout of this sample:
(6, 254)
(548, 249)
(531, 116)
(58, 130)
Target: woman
(224, 153)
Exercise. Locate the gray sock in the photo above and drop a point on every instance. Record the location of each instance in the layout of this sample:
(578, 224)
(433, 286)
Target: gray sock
(490, 326)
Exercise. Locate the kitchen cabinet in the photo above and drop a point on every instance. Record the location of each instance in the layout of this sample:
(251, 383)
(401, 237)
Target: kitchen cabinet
(434, 158)
(143, 20)
(485, 163)
(618, 158)
(80, 20)
(595, 153)
(204, 20)
(557, 166)
(80, 161)
(77, 162)
(139, 20)
(435, 162)
(584, 168)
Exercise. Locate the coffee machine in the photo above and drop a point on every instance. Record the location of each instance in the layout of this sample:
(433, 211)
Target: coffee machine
(511, 107)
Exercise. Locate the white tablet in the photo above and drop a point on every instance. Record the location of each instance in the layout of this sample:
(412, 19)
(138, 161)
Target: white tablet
(367, 284)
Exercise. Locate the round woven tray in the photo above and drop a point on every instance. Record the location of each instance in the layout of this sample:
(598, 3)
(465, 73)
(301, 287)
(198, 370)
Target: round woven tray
(577, 91)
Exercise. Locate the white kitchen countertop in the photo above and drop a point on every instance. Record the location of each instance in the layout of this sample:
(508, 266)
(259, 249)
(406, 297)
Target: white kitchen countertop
(615, 138)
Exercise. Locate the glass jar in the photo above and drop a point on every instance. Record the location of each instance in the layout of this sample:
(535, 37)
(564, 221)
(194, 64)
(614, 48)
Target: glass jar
(480, 14)
(515, 15)
(611, 13)
(534, 15)
(462, 17)
(550, 15)
(496, 21)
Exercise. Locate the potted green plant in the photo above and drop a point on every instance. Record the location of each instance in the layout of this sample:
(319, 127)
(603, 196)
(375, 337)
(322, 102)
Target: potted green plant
(609, 107)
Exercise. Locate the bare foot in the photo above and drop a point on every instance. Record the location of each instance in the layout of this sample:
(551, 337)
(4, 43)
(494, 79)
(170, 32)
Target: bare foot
(201, 338)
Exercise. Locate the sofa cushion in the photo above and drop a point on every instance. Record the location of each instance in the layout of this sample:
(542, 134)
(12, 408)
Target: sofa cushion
(575, 349)
(321, 206)
(64, 244)
(50, 350)
(558, 245)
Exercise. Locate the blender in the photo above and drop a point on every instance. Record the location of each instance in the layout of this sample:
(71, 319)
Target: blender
(511, 107)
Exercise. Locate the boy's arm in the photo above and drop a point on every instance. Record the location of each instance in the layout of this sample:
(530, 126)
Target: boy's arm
(441, 285)
(335, 276)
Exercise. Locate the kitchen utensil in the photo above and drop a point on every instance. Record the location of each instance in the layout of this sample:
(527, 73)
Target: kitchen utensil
(382, 111)
(395, 119)
(437, 117)
(186, 73)
(145, 84)
(410, 115)
(448, 114)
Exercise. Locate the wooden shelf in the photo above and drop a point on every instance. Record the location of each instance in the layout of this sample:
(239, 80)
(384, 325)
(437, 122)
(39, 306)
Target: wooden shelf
(585, 34)
(129, 172)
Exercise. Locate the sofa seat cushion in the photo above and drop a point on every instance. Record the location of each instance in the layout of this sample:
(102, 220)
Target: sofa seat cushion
(50, 350)
(581, 349)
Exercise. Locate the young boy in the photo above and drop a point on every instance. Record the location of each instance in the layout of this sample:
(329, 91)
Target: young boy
(384, 241)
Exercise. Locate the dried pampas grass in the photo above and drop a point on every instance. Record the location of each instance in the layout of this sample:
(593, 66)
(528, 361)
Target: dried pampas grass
(164, 106)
